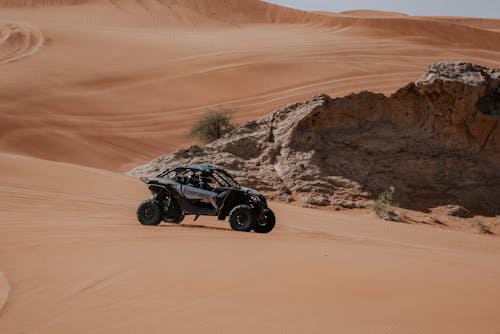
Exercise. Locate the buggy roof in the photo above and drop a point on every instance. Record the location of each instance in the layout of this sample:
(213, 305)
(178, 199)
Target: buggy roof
(203, 168)
(195, 167)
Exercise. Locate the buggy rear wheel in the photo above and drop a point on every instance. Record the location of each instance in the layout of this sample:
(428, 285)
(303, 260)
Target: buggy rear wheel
(242, 218)
(149, 213)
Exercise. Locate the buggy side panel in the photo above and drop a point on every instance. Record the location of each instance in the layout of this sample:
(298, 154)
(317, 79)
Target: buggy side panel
(228, 200)
(174, 189)
(191, 192)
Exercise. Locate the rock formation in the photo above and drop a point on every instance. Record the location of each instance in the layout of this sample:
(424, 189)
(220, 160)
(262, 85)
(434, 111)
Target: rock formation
(436, 140)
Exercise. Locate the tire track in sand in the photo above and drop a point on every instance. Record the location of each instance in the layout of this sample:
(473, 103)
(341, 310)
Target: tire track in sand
(18, 40)
(4, 290)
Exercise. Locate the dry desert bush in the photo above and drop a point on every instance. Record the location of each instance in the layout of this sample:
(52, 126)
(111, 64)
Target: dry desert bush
(213, 125)
(385, 206)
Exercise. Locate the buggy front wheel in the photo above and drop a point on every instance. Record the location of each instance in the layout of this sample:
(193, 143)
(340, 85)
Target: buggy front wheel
(266, 222)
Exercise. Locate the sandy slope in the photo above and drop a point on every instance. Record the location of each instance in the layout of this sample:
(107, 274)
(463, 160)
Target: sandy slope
(123, 80)
(111, 84)
(78, 262)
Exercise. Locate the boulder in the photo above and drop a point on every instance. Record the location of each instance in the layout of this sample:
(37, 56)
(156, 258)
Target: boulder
(436, 140)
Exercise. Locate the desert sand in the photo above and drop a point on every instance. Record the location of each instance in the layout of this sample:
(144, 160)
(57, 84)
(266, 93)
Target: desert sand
(91, 89)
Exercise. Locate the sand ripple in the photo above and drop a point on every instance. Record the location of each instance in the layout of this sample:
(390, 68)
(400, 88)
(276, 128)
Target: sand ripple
(18, 41)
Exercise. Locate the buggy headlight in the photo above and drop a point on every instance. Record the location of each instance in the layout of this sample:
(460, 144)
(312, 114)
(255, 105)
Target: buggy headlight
(254, 199)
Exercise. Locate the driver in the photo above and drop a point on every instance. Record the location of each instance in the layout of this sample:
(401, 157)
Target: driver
(205, 180)
(193, 180)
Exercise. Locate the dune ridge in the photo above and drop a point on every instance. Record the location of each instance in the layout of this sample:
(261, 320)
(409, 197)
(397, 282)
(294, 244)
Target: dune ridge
(372, 13)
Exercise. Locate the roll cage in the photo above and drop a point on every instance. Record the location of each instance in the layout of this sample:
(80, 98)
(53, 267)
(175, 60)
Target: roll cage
(184, 174)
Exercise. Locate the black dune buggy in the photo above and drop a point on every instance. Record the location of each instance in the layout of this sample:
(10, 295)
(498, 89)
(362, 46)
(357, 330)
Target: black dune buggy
(203, 190)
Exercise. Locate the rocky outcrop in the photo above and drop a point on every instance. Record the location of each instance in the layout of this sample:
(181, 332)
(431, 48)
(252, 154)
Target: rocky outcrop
(436, 140)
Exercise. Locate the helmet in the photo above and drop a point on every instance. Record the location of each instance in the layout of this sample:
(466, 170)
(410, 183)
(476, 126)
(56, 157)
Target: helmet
(205, 177)
(193, 179)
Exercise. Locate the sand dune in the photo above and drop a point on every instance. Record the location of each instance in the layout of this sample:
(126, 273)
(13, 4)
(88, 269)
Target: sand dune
(92, 88)
(123, 80)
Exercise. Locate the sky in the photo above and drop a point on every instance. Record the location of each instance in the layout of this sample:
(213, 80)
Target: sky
(475, 8)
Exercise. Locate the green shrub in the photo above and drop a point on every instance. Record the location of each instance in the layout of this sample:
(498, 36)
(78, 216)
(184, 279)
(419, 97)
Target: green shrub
(213, 125)
(384, 206)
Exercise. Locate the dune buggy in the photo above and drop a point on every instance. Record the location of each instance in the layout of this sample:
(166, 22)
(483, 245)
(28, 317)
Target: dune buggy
(203, 190)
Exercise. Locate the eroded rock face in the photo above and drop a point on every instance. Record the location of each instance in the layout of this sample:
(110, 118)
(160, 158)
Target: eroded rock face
(436, 140)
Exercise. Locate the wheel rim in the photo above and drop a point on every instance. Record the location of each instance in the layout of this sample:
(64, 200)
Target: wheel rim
(241, 220)
(263, 221)
(148, 212)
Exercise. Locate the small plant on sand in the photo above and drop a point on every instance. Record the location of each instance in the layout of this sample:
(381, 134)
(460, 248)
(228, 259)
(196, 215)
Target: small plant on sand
(385, 207)
(213, 125)
(483, 228)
